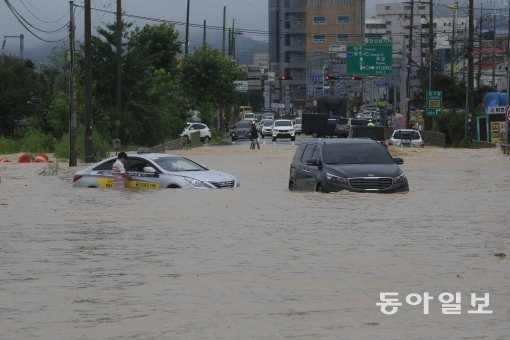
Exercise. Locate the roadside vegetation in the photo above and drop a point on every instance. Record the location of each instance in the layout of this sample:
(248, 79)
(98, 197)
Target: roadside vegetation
(158, 89)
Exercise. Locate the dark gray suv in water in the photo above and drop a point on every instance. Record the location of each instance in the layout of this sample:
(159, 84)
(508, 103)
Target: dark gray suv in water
(360, 165)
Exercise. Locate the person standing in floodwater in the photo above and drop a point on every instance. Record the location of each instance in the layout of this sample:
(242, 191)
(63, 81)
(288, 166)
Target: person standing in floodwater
(119, 172)
(254, 136)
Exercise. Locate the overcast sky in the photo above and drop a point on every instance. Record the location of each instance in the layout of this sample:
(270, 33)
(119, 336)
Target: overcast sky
(248, 14)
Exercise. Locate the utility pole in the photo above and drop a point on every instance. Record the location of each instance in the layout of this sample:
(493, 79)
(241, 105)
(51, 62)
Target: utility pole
(454, 29)
(89, 149)
(431, 45)
(21, 46)
(73, 159)
(409, 61)
(118, 33)
(186, 48)
(470, 99)
(508, 76)
(229, 53)
(480, 49)
(494, 51)
(224, 28)
(205, 32)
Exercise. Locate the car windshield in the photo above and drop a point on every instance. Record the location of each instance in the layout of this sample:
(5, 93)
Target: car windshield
(283, 123)
(298, 120)
(243, 125)
(356, 154)
(268, 123)
(342, 121)
(178, 164)
(249, 115)
(406, 135)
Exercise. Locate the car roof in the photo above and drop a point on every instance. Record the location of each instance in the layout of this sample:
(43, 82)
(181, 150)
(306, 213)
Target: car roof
(283, 120)
(151, 155)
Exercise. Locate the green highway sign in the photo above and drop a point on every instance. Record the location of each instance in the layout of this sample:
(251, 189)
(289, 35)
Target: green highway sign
(369, 59)
(433, 103)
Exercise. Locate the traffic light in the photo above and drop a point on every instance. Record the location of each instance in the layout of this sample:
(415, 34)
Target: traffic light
(355, 78)
(285, 77)
(326, 77)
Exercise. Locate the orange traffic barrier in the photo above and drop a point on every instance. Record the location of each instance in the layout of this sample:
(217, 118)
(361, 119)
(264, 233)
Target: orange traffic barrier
(41, 158)
(24, 158)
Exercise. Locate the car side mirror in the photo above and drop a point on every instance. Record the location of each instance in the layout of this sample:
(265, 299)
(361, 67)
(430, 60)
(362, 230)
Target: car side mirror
(398, 160)
(149, 169)
(313, 162)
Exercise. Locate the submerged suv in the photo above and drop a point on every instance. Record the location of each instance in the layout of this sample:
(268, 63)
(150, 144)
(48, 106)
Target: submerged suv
(359, 165)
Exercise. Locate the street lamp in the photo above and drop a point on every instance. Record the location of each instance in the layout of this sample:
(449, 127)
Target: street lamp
(454, 7)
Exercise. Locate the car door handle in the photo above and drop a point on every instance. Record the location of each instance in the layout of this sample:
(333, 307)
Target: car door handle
(305, 171)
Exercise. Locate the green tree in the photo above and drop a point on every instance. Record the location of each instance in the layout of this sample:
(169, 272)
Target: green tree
(21, 93)
(207, 79)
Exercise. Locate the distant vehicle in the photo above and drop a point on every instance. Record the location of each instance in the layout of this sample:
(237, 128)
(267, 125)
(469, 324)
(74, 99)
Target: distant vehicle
(268, 116)
(261, 124)
(283, 128)
(359, 165)
(244, 109)
(375, 133)
(406, 138)
(267, 128)
(154, 171)
(249, 116)
(344, 125)
(205, 133)
(298, 125)
(315, 124)
(241, 130)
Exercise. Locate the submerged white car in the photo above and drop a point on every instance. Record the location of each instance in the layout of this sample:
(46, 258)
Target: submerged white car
(406, 138)
(154, 171)
(205, 133)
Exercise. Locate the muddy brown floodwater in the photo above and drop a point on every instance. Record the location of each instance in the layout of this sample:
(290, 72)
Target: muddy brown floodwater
(259, 262)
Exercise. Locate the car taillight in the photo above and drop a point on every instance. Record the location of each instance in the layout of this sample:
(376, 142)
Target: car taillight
(76, 178)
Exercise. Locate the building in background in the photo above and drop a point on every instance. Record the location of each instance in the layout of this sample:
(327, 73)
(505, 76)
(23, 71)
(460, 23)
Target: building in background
(307, 41)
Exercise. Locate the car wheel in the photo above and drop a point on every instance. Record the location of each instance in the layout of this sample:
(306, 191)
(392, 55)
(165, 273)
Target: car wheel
(262, 136)
(320, 188)
(173, 186)
(293, 138)
(186, 139)
(207, 139)
(292, 186)
(274, 139)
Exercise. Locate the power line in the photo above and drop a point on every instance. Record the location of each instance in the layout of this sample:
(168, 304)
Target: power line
(39, 18)
(25, 24)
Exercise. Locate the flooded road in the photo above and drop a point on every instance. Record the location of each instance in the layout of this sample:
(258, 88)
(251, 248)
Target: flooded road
(259, 262)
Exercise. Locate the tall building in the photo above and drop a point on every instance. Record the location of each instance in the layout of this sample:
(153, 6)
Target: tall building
(305, 39)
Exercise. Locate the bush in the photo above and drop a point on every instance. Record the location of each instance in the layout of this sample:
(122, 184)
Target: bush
(217, 136)
(100, 144)
(8, 145)
(34, 140)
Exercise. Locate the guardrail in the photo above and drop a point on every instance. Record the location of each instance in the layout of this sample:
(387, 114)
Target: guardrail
(175, 144)
(477, 144)
(434, 138)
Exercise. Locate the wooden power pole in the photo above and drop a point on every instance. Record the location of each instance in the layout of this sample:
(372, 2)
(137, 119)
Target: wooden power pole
(73, 158)
(89, 149)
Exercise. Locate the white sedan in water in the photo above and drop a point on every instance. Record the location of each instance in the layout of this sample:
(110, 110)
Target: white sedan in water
(154, 171)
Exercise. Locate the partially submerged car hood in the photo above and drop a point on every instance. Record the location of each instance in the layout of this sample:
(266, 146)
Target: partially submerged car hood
(363, 170)
(207, 175)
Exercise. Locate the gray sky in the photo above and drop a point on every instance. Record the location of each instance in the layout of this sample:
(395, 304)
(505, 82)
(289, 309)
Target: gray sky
(248, 14)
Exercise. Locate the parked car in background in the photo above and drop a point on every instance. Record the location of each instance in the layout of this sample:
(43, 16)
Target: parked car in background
(205, 133)
(359, 165)
(154, 171)
(268, 116)
(241, 130)
(406, 138)
(283, 128)
(267, 128)
(298, 125)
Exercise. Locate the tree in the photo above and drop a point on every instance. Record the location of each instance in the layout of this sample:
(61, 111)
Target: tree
(207, 78)
(21, 93)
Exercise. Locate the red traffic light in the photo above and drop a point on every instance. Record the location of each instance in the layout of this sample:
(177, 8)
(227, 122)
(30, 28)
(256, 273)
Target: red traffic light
(355, 78)
(284, 77)
(326, 77)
